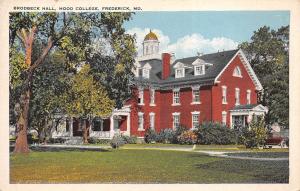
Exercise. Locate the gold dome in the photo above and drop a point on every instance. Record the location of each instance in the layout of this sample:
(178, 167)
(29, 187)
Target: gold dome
(150, 36)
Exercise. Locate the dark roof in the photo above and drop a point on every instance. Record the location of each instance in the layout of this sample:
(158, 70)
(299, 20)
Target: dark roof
(249, 106)
(217, 61)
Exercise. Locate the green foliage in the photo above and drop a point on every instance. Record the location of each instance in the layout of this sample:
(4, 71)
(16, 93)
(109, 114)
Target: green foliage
(129, 139)
(215, 133)
(150, 136)
(256, 134)
(268, 54)
(166, 136)
(93, 140)
(86, 97)
(117, 141)
(187, 137)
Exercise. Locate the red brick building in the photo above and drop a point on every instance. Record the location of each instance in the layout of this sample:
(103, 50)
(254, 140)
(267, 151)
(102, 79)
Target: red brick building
(220, 87)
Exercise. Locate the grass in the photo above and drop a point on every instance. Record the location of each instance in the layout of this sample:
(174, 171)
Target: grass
(140, 166)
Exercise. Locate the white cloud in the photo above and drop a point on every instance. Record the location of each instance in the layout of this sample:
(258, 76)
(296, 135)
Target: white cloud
(186, 46)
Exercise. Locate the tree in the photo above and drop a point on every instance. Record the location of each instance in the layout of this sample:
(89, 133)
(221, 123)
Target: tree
(72, 33)
(87, 99)
(267, 53)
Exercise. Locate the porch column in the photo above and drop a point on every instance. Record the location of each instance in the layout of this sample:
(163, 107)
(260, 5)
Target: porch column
(112, 126)
(71, 126)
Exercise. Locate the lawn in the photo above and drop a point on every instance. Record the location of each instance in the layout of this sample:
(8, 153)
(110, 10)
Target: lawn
(141, 166)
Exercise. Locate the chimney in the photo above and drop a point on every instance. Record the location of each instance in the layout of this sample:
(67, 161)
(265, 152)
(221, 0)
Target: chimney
(166, 67)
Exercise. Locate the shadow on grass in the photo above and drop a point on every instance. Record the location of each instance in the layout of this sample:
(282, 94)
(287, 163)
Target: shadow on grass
(259, 171)
(60, 149)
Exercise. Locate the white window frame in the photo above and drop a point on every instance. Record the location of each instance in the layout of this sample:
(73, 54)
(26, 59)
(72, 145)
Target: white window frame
(199, 70)
(195, 89)
(176, 120)
(152, 96)
(141, 121)
(224, 95)
(152, 120)
(237, 72)
(248, 97)
(224, 117)
(176, 97)
(141, 96)
(195, 115)
(146, 73)
(237, 96)
(176, 72)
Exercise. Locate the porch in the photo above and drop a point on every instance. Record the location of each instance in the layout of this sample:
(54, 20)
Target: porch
(242, 115)
(100, 128)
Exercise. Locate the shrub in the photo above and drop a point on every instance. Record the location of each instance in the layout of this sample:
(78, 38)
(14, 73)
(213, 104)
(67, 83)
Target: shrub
(94, 140)
(166, 136)
(215, 133)
(117, 141)
(151, 136)
(178, 131)
(187, 137)
(56, 140)
(255, 135)
(129, 139)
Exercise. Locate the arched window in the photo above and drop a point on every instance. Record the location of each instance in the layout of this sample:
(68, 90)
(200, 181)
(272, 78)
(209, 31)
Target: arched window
(237, 72)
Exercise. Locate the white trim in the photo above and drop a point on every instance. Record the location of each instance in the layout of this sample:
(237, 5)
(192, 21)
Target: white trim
(248, 67)
(224, 88)
(248, 96)
(151, 114)
(237, 72)
(141, 114)
(224, 113)
(176, 113)
(202, 69)
(195, 112)
(179, 65)
(183, 72)
(141, 96)
(237, 95)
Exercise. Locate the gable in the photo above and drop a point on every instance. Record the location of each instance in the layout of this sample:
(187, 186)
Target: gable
(247, 67)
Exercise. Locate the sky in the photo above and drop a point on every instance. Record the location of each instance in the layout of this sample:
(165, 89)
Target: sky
(186, 33)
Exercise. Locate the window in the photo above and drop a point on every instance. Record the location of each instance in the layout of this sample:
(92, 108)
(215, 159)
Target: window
(146, 73)
(141, 121)
(199, 70)
(248, 96)
(237, 72)
(97, 126)
(224, 117)
(237, 96)
(176, 120)
(152, 96)
(176, 97)
(67, 125)
(179, 73)
(195, 119)
(224, 95)
(141, 97)
(196, 95)
(152, 120)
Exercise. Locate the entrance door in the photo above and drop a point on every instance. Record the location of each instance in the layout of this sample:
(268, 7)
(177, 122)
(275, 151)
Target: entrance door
(77, 130)
(238, 121)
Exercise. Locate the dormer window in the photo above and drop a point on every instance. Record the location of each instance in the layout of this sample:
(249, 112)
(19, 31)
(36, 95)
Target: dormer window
(199, 70)
(237, 72)
(179, 73)
(146, 70)
(146, 73)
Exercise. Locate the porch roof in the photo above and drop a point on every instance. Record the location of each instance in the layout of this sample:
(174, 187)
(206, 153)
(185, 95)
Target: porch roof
(250, 107)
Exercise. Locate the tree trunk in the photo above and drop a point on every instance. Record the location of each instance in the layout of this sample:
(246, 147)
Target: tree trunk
(21, 141)
(86, 127)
